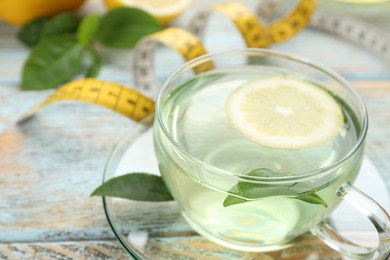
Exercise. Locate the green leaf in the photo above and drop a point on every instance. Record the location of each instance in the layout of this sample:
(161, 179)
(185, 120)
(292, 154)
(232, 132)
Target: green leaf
(247, 191)
(233, 200)
(61, 24)
(95, 65)
(52, 61)
(124, 27)
(88, 29)
(30, 33)
(312, 198)
(255, 191)
(135, 186)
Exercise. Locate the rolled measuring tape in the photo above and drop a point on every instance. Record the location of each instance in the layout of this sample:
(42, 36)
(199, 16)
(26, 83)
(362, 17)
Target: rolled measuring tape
(136, 104)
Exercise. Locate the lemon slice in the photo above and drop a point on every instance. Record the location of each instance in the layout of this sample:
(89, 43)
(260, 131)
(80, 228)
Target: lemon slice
(164, 10)
(284, 113)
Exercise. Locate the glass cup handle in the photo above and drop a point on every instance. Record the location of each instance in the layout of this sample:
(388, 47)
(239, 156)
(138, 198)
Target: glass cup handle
(374, 212)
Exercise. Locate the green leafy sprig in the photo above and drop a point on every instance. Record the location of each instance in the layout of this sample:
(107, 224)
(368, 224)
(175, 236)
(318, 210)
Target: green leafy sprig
(65, 46)
(247, 191)
(147, 187)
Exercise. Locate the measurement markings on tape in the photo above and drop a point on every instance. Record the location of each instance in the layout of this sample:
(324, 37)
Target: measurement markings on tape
(251, 29)
(180, 40)
(289, 25)
(113, 96)
(344, 26)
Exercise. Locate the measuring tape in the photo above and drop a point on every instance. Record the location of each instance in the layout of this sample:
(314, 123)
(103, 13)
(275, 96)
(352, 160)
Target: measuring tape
(354, 31)
(180, 40)
(118, 98)
(343, 26)
(250, 28)
(255, 32)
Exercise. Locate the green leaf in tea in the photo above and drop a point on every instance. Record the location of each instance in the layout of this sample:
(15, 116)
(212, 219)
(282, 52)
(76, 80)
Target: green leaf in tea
(233, 200)
(88, 29)
(246, 191)
(95, 64)
(61, 24)
(124, 27)
(135, 186)
(52, 61)
(30, 33)
(312, 198)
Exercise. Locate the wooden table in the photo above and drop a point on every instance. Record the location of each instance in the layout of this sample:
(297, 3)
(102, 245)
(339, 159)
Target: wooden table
(50, 165)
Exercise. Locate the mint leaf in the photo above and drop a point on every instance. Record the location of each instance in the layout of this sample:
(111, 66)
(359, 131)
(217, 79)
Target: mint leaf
(124, 27)
(30, 33)
(95, 65)
(52, 61)
(246, 191)
(61, 24)
(135, 186)
(88, 29)
(233, 200)
(312, 198)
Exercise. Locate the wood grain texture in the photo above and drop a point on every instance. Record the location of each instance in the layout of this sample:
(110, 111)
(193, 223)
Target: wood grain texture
(63, 250)
(50, 165)
(177, 248)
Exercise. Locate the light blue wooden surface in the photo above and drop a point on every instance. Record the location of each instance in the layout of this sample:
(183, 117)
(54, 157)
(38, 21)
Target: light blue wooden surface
(50, 165)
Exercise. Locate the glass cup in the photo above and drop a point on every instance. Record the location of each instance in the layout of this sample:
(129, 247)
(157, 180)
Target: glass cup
(247, 196)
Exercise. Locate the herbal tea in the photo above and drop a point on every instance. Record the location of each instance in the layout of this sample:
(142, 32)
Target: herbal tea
(242, 127)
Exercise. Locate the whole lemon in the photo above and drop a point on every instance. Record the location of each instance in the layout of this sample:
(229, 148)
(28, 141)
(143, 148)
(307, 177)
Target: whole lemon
(19, 12)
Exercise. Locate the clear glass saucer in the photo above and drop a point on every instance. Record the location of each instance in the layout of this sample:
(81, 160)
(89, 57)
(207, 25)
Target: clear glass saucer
(149, 230)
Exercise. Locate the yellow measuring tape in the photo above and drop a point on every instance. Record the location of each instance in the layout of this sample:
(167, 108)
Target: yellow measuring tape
(180, 40)
(253, 32)
(118, 98)
(285, 28)
(134, 105)
(183, 42)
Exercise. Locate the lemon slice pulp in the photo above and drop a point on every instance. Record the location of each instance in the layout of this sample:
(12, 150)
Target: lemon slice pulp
(164, 10)
(284, 113)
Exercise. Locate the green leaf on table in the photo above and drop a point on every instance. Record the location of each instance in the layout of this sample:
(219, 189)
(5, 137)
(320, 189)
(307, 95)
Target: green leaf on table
(52, 61)
(135, 186)
(124, 27)
(247, 191)
(30, 33)
(95, 64)
(88, 29)
(61, 24)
